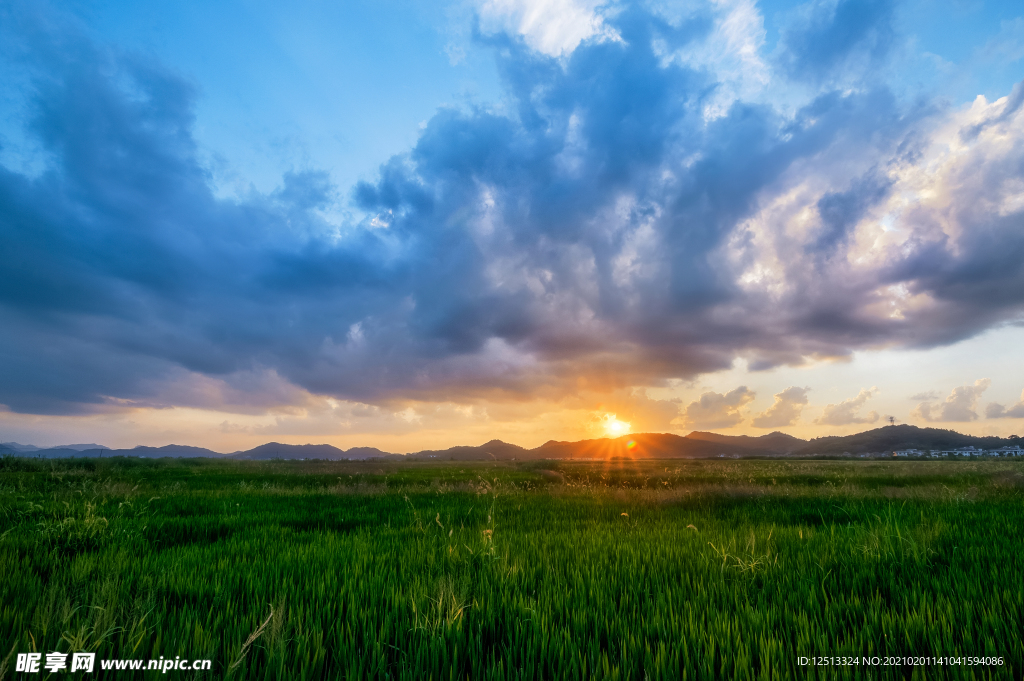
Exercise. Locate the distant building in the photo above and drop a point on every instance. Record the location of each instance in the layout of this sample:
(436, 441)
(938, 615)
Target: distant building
(963, 451)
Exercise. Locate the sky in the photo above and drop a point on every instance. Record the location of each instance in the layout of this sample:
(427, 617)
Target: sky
(411, 224)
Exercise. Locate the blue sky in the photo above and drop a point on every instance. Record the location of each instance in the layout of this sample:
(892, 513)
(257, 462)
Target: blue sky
(415, 224)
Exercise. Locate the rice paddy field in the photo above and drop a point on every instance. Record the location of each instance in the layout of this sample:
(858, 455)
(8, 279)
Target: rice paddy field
(537, 570)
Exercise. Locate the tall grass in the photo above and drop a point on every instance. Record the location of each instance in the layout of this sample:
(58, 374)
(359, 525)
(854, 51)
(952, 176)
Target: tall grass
(653, 570)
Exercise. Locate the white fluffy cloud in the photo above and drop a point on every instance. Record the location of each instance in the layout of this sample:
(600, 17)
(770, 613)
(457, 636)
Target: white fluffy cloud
(960, 405)
(717, 410)
(553, 27)
(731, 50)
(845, 412)
(998, 411)
(785, 411)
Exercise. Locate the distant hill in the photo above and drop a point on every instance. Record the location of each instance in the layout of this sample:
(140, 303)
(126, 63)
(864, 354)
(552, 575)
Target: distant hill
(367, 453)
(888, 438)
(495, 450)
(696, 445)
(776, 442)
(14, 447)
(175, 451)
(651, 445)
(276, 450)
(661, 446)
(271, 450)
(700, 444)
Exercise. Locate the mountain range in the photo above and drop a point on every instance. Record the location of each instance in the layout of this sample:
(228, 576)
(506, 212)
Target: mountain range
(696, 445)
(271, 450)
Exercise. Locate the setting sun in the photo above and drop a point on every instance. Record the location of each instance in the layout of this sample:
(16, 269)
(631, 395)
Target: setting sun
(615, 427)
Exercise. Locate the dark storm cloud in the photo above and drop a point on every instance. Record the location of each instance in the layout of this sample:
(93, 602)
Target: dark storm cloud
(600, 233)
(841, 211)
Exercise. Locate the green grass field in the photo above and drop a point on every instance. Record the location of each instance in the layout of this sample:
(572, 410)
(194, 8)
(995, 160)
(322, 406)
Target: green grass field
(540, 570)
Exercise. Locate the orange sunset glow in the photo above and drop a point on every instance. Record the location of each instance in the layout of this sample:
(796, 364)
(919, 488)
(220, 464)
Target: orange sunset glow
(614, 427)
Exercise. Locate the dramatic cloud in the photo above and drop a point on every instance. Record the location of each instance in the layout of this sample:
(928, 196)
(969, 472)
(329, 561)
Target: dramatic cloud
(614, 224)
(715, 410)
(845, 413)
(785, 411)
(998, 411)
(959, 406)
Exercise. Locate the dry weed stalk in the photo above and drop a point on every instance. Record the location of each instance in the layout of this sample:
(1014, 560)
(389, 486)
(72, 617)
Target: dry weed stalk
(249, 641)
